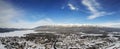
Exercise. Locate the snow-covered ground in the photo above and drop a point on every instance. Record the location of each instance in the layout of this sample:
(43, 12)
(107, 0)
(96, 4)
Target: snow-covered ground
(16, 33)
(2, 46)
(66, 41)
(115, 46)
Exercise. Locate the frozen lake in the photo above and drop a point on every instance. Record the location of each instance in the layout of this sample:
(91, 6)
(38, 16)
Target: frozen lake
(16, 33)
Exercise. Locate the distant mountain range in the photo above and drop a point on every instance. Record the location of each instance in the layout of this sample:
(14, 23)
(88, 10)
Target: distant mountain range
(3, 30)
(74, 28)
(6, 29)
(85, 29)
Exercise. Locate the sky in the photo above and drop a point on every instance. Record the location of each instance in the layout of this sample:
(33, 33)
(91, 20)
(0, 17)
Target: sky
(33, 13)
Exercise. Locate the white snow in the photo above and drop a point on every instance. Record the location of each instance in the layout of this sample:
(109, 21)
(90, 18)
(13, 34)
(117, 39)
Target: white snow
(117, 45)
(2, 46)
(16, 33)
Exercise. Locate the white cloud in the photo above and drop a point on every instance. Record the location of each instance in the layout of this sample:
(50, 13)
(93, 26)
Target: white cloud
(97, 14)
(94, 7)
(9, 13)
(72, 7)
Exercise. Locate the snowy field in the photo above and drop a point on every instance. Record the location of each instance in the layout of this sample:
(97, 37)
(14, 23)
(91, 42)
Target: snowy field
(16, 33)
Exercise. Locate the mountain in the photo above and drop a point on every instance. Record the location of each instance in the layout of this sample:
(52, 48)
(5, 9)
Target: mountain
(3, 30)
(85, 29)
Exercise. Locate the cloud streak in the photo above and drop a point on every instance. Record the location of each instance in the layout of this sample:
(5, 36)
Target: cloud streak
(94, 8)
(72, 7)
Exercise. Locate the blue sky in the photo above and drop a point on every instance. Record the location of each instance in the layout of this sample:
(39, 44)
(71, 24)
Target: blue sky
(32, 13)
